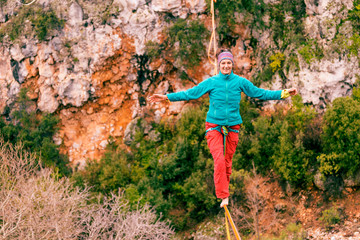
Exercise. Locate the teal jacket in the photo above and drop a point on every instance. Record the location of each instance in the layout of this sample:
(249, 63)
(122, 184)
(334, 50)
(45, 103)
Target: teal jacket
(225, 95)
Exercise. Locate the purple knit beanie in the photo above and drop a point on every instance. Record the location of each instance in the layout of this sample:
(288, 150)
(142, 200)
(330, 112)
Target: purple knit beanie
(225, 55)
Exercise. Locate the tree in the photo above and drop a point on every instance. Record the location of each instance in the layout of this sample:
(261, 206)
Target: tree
(36, 204)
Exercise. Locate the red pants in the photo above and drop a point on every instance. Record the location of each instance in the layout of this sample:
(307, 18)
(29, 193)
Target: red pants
(222, 164)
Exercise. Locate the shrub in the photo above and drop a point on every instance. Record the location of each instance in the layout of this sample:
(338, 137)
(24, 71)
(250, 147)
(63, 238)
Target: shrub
(354, 15)
(277, 61)
(292, 161)
(279, 142)
(354, 45)
(15, 27)
(265, 75)
(175, 174)
(36, 204)
(44, 22)
(186, 41)
(293, 231)
(330, 217)
(287, 23)
(311, 50)
(356, 89)
(341, 141)
(153, 49)
(111, 173)
(226, 13)
(35, 133)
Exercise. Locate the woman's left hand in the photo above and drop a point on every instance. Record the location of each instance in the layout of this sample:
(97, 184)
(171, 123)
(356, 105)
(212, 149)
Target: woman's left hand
(292, 91)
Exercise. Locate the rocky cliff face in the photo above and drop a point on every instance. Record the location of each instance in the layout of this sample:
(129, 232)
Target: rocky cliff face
(95, 75)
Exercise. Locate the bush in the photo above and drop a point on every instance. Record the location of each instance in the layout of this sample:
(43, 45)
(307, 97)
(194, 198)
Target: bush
(153, 49)
(265, 75)
(44, 22)
(311, 50)
(15, 27)
(38, 205)
(293, 231)
(279, 142)
(226, 12)
(111, 173)
(354, 45)
(175, 174)
(341, 141)
(277, 61)
(330, 217)
(185, 39)
(354, 15)
(292, 161)
(287, 23)
(35, 133)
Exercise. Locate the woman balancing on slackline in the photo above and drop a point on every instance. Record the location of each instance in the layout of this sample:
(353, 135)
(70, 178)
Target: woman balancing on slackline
(224, 91)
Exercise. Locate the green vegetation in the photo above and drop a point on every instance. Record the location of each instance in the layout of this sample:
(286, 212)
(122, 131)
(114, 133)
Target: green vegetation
(344, 42)
(175, 174)
(253, 11)
(263, 76)
(184, 43)
(185, 38)
(2, 2)
(354, 45)
(293, 231)
(311, 50)
(43, 23)
(354, 15)
(35, 133)
(277, 61)
(330, 217)
(341, 152)
(153, 49)
(283, 142)
(287, 23)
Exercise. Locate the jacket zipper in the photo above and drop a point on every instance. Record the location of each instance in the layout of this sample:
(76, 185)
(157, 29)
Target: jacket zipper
(227, 96)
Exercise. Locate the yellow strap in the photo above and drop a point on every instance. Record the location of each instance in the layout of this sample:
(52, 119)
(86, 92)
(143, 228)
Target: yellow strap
(237, 235)
(213, 38)
(227, 228)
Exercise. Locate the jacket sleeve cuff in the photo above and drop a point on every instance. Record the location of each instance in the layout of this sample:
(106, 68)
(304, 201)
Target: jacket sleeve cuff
(171, 97)
(285, 94)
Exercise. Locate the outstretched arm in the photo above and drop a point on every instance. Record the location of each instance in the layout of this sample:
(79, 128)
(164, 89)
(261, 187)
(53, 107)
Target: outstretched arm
(157, 98)
(190, 94)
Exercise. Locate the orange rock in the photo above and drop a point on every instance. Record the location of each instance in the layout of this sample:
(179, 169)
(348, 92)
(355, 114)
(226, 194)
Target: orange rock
(32, 70)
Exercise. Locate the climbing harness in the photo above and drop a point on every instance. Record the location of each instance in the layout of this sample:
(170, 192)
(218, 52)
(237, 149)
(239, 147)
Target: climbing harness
(224, 130)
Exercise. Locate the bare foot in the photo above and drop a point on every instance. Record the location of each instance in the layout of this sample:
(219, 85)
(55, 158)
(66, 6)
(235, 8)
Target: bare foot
(224, 202)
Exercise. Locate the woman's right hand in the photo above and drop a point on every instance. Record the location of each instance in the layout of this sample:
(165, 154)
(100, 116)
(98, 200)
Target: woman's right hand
(157, 98)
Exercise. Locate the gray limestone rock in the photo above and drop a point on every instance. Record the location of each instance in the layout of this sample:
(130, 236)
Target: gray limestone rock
(76, 14)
